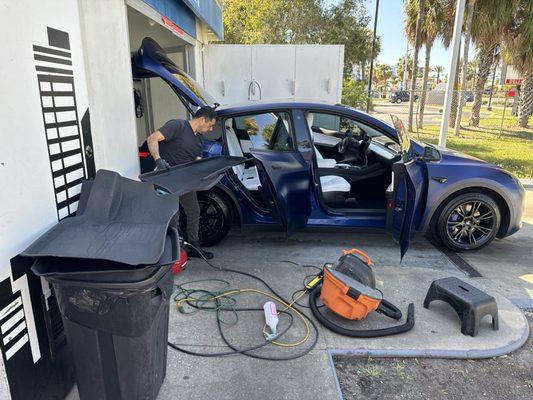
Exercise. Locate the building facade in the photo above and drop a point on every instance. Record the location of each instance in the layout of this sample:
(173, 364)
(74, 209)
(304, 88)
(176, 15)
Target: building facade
(69, 106)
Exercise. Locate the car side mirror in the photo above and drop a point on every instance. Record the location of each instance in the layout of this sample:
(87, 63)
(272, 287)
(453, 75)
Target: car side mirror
(431, 154)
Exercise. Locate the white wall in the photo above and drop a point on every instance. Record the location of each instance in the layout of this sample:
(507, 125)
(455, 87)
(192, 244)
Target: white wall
(106, 48)
(27, 201)
(308, 72)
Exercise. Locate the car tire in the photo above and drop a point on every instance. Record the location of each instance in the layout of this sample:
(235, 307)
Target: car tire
(467, 222)
(215, 218)
(398, 101)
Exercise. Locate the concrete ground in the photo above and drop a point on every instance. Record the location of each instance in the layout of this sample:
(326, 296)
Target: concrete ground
(505, 267)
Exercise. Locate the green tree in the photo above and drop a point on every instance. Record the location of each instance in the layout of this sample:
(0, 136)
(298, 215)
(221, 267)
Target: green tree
(518, 50)
(354, 93)
(439, 69)
(431, 27)
(420, 6)
(382, 72)
(272, 22)
(347, 23)
(302, 21)
(492, 20)
(400, 67)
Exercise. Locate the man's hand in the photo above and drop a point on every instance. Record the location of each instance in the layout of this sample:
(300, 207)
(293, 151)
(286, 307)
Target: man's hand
(161, 164)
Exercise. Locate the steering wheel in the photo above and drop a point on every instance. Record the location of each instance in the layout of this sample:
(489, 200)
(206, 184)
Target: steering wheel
(348, 142)
(364, 144)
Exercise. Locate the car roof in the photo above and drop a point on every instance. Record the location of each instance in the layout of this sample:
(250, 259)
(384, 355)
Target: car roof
(284, 104)
(261, 105)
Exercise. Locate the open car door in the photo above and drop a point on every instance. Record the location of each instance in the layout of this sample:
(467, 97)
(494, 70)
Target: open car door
(285, 177)
(409, 186)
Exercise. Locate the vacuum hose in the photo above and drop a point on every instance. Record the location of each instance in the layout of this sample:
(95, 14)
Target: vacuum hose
(370, 333)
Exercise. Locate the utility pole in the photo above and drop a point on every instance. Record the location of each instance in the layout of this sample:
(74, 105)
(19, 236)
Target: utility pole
(372, 56)
(452, 70)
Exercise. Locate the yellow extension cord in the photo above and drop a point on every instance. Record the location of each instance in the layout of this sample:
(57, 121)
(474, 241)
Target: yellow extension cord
(269, 295)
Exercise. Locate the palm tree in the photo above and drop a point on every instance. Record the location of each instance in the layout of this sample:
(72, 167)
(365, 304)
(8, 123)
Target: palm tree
(464, 68)
(518, 50)
(431, 28)
(439, 69)
(420, 4)
(491, 21)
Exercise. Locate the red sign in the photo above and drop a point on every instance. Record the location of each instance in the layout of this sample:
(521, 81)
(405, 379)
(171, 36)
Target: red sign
(514, 81)
(172, 26)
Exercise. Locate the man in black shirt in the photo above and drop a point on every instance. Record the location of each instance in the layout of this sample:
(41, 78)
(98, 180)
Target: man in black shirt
(178, 142)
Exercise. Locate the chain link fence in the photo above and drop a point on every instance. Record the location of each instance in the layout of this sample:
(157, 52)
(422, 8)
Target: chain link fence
(487, 127)
(495, 112)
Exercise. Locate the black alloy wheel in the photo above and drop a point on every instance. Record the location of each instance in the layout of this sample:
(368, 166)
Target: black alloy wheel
(469, 222)
(215, 218)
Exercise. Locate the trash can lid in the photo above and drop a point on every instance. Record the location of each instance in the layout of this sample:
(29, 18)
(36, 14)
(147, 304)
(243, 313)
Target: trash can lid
(123, 220)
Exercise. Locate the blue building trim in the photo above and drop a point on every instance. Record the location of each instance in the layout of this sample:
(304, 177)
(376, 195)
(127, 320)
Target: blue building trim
(184, 12)
(210, 13)
(177, 12)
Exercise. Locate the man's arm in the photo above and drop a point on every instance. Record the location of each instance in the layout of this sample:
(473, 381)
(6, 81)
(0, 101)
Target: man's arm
(153, 144)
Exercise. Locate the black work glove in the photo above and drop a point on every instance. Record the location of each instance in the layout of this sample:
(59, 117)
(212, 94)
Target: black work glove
(161, 164)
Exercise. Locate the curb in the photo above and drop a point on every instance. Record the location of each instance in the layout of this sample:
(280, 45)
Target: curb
(435, 353)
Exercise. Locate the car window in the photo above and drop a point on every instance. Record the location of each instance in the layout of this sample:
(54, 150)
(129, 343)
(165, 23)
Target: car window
(266, 131)
(334, 125)
(337, 126)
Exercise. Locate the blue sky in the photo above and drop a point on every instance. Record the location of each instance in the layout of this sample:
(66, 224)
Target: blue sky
(393, 41)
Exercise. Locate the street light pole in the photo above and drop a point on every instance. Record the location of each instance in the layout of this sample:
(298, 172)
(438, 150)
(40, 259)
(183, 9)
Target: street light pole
(452, 70)
(372, 56)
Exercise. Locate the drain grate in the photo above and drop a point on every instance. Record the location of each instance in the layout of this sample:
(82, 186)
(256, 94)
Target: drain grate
(459, 262)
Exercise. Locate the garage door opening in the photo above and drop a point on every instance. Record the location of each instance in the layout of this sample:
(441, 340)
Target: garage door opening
(155, 101)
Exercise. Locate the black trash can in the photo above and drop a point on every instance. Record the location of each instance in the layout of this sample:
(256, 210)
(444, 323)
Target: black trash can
(116, 322)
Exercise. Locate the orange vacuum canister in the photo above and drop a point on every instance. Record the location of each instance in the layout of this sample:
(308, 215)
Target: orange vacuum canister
(348, 289)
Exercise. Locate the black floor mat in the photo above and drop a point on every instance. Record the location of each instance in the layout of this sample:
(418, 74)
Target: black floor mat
(123, 220)
(194, 176)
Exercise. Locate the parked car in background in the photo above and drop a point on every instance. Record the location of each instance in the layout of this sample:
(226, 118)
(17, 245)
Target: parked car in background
(328, 166)
(400, 96)
(469, 96)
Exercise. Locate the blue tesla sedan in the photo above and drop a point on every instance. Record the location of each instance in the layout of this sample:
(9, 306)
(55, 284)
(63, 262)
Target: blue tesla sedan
(316, 165)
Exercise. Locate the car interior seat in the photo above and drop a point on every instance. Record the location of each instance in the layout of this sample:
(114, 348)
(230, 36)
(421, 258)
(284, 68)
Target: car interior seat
(248, 176)
(329, 183)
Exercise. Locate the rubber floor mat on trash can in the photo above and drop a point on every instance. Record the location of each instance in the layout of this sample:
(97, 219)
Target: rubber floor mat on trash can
(124, 221)
(116, 322)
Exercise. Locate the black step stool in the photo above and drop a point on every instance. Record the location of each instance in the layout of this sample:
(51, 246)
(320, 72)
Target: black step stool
(470, 303)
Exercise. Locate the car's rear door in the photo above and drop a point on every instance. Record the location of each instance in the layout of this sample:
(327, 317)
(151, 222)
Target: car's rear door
(285, 177)
(409, 186)
(284, 173)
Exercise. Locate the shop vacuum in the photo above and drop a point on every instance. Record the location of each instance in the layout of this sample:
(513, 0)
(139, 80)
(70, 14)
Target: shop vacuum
(348, 289)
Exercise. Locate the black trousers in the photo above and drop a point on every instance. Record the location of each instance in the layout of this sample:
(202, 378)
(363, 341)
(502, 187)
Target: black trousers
(189, 202)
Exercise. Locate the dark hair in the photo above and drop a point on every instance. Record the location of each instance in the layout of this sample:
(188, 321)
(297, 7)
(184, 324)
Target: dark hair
(205, 112)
